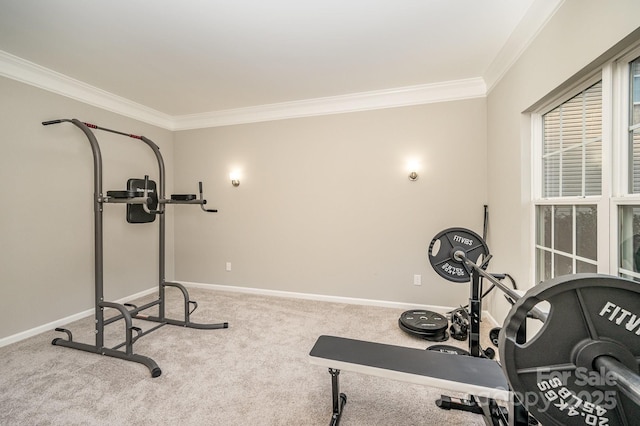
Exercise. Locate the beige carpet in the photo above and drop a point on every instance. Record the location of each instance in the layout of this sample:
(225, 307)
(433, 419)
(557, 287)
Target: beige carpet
(254, 373)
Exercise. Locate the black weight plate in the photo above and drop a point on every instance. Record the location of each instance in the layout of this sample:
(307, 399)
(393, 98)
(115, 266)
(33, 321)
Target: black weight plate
(424, 321)
(552, 373)
(452, 240)
(437, 336)
(447, 349)
(494, 335)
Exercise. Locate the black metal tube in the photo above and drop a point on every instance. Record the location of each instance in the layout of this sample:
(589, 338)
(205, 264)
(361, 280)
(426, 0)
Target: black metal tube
(185, 295)
(97, 229)
(143, 333)
(148, 362)
(93, 126)
(626, 379)
(339, 399)
(535, 312)
(128, 323)
(161, 224)
(475, 309)
(132, 312)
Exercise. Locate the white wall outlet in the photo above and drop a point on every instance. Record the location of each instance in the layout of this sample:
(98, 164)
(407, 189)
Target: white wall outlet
(417, 279)
(227, 266)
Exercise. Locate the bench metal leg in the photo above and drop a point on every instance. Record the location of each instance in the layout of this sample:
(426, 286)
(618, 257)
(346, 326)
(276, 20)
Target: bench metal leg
(339, 399)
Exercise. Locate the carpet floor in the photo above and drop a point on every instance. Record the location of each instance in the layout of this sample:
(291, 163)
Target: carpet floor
(256, 372)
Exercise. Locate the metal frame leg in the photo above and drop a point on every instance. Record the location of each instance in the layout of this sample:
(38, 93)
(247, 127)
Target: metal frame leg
(338, 399)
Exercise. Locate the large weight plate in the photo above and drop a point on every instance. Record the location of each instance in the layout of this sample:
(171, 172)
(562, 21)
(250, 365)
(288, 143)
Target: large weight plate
(552, 373)
(446, 243)
(424, 321)
(424, 324)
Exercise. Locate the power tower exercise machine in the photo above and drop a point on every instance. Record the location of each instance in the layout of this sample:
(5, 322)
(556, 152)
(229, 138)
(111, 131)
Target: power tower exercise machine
(144, 203)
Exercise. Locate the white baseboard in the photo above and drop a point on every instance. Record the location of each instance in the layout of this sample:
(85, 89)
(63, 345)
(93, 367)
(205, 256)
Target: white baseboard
(318, 297)
(247, 290)
(66, 320)
(486, 316)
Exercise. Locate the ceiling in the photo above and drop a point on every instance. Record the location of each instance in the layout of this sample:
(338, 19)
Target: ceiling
(200, 56)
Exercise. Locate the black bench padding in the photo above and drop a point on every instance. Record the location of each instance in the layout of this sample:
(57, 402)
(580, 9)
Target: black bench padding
(343, 353)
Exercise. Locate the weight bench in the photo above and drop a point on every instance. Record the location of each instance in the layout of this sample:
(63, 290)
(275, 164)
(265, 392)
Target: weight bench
(476, 376)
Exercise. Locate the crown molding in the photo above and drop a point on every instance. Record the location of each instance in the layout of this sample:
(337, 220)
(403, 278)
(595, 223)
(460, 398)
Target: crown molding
(398, 97)
(30, 73)
(537, 16)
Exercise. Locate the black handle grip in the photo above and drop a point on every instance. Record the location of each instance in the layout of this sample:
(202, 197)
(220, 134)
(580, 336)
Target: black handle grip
(204, 201)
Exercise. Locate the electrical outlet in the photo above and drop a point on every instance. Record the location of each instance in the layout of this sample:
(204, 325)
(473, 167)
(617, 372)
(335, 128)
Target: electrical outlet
(417, 279)
(228, 266)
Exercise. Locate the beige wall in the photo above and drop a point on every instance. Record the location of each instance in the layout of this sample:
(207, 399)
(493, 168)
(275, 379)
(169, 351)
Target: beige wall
(325, 205)
(46, 182)
(579, 33)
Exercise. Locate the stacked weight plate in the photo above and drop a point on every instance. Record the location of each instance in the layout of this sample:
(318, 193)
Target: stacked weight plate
(425, 324)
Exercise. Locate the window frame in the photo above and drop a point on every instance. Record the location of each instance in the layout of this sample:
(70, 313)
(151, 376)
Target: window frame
(600, 201)
(621, 193)
(616, 189)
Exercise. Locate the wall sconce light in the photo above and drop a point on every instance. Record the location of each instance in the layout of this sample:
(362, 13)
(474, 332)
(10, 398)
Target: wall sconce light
(412, 167)
(235, 178)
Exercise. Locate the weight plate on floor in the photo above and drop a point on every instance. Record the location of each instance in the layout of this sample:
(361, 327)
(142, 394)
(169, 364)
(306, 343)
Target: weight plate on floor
(448, 349)
(424, 321)
(446, 243)
(552, 373)
(425, 324)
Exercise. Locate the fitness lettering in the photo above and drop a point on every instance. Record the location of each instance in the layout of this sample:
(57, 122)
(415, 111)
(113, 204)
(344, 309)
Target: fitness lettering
(463, 240)
(450, 269)
(618, 315)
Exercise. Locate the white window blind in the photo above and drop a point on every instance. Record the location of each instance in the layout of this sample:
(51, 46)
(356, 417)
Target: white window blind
(572, 146)
(634, 125)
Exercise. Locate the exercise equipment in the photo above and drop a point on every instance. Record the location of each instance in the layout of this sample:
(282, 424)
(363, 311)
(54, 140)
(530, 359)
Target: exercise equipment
(453, 254)
(459, 317)
(423, 367)
(427, 325)
(445, 243)
(145, 201)
(448, 349)
(459, 324)
(494, 335)
(580, 368)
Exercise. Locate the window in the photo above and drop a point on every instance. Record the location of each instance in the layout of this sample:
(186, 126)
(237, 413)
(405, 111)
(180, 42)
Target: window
(586, 175)
(634, 125)
(566, 232)
(566, 240)
(629, 214)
